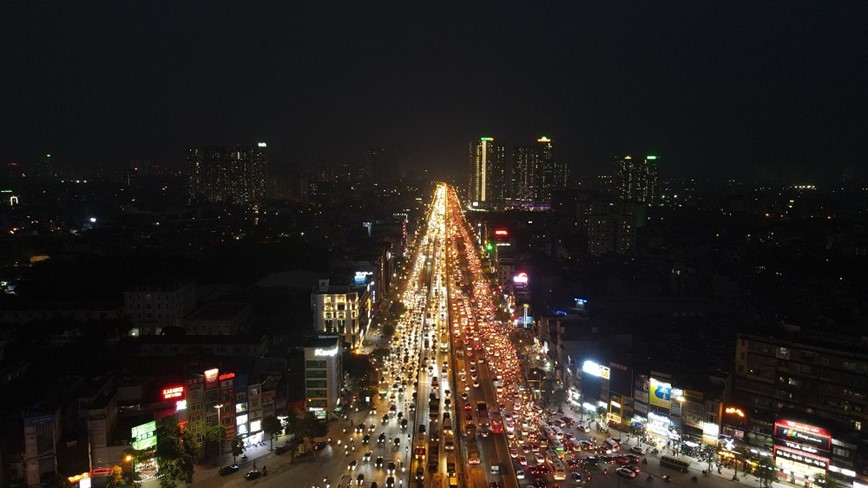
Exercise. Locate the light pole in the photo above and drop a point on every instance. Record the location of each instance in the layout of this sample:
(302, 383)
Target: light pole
(220, 442)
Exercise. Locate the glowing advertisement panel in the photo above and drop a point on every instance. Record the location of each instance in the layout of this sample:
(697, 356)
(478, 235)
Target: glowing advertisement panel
(790, 432)
(801, 457)
(660, 393)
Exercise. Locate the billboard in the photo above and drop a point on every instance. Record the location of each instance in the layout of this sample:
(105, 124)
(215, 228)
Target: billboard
(144, 436)
(813, 438)
(660, 393)
(595, 369)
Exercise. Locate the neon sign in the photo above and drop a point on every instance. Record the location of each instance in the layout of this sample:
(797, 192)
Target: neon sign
(520, 279)
(173, 392)
(501, 232)
(326, 352)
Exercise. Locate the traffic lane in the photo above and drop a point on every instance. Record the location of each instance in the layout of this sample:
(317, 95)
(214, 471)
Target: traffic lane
(499, 444)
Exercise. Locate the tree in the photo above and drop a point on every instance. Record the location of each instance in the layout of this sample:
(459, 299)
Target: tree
(237, 448)
(271, 426)
(116, 478)
(175, 455)
(215, 437)
(708, 455)
(766, 472)
(827, 482)
(559, 396)
(294, 433)
(389, 329)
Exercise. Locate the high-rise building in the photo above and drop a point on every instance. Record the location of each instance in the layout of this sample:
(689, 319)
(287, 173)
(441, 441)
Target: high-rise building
(524, 167)
(536, 175)
(487, 174)
(638, 179)
(225, 174)
(383, 164)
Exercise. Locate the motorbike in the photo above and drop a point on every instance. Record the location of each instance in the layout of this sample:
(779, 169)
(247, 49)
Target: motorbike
(666, 478)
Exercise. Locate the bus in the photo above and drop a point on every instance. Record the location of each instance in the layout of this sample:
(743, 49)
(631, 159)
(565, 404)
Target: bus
(496, 423)
(556, 445)
(558, 470)
(678, 463)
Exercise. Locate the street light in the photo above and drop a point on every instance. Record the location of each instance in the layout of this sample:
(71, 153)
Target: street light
(219, 424)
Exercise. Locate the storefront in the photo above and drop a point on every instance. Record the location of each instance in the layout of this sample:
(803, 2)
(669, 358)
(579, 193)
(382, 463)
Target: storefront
(801, 450)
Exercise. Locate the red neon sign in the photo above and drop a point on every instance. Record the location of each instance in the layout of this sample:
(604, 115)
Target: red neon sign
(227, 376)
(173, 392)
(501, 232)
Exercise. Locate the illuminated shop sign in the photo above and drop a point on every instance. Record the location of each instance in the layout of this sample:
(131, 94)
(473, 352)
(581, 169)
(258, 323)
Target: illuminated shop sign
(226, 376)
(595, 369)
(173, 392)
(361, 277)
(211, 375)
(326, 352)
(789, 431)
(660, 393)
(520, 279)
(801, 457)
(144, 436)
(501, 232)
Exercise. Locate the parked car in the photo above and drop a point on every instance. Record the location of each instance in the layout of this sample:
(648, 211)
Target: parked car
(252, 474)
(232, 468)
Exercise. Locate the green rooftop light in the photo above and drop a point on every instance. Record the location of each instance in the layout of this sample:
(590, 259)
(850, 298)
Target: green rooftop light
(486, 138)
(650, 158)
(48, 155)
(5, 191)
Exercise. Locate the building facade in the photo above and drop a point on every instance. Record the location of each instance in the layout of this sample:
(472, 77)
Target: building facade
(487, 174)
(323, 374)
(154, 306)
(227, 174)
(638, 179)
(807, 402)
(336, 311)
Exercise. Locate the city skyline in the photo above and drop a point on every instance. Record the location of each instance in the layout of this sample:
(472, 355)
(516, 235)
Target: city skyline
(719, 90)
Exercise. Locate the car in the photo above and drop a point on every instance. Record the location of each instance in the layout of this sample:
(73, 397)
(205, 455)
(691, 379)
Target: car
(252, 474)
(366, 439)
(379, 462)
(539, 457)
(476, 384)
(391, 468)
(513, 452)
(367, 457)
(320, 445)
(522, 460)
(382, 438)
(633, 458)
(625, 472)
(519, 473)
(232, 468)
(420, 474)
(390, 482)
(280, 449)
(353, 464)
(636, 450)
(360, 479)
(360, 428)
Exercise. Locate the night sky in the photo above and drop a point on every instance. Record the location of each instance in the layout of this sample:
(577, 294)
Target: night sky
(716, 88)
